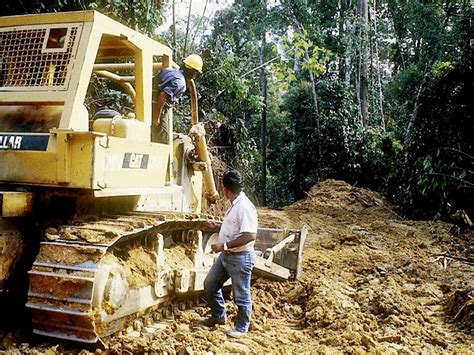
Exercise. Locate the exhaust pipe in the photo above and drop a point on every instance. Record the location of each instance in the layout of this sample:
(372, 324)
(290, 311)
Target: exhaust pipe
(198, 135)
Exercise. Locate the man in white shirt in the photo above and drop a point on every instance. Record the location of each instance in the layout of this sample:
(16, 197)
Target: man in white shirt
(236, 259)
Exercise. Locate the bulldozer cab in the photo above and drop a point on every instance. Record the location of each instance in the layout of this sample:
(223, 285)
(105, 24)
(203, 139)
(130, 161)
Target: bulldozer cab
(46, 137)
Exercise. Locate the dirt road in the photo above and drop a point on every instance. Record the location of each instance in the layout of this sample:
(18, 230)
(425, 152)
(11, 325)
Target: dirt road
(371, 282)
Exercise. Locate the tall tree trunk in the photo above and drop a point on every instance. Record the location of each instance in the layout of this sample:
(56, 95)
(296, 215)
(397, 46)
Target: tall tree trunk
(174, 32)
(312, 81)
(346, 35)
(314, 94)
(187, 29)
(424, 81)
(299, 30)
(357, 89)
(377, 64)
(263, 133)
(414, 113)
(362, 12)
(348, 50)
(371, 78)
(313, 90)
(340, 26)
(198, 26)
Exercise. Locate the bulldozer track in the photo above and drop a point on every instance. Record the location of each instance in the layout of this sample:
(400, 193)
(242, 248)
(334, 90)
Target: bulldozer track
(73, 289)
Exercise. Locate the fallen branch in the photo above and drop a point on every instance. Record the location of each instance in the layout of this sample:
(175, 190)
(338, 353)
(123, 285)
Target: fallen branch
(311, 197)
(467, 261)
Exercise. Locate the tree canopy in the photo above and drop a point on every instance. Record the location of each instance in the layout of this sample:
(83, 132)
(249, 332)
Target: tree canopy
(371, 92)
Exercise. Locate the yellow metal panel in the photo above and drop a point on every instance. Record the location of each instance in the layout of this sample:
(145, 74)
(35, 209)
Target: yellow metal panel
(16, 204)
(68, 163)
(168, 198)
(64, 157)
(143, 82)
(50, 18)
(112, 27)
(22, 97)
(196, 181)
(74, 158)
(28, 167)
(129, 165)
(82, 160)
(79, 82)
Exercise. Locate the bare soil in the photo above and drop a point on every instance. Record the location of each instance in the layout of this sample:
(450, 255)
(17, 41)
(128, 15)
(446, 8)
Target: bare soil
(372, 282)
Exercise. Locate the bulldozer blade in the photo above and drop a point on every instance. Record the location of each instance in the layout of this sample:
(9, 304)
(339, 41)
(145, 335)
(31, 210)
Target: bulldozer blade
(279, 253)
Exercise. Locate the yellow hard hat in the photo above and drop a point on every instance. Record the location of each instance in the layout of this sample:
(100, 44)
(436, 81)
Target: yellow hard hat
(194, 61)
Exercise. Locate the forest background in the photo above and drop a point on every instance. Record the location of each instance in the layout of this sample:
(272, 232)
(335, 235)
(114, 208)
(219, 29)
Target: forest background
(373, 92)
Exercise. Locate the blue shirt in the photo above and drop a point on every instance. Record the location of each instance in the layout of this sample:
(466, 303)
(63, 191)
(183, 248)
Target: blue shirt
(173, 82)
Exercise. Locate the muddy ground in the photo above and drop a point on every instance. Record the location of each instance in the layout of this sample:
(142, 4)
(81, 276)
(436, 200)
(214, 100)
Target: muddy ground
(372, 282)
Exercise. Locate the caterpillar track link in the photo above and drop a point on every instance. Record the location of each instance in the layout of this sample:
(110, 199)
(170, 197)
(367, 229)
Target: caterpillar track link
(94, 279)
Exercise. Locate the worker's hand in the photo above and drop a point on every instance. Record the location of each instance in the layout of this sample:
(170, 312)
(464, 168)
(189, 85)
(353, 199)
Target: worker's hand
(216, 248)
(156, 122)
(213, 226)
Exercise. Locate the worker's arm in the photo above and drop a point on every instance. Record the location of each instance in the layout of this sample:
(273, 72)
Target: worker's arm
(159, 103)
(243, 239)
(213, 226)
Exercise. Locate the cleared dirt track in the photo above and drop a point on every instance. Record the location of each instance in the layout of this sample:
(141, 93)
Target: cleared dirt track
(371, 282)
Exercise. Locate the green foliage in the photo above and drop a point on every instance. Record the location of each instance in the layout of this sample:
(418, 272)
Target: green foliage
(317, 56)
(434, 184)
(103, 93)
(280, 155)
(236, 99)
(400, 96)
(415, 40)
(295, 49)
(437, 174)
(348, 151)
(143, 15)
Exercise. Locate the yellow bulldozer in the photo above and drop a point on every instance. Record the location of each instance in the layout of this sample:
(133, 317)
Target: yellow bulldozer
(113, 220)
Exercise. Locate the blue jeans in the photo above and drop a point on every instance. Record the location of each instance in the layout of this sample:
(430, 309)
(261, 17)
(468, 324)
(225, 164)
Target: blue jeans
(159, 134)
(239, 268)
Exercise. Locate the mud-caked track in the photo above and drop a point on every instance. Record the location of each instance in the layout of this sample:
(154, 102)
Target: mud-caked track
(92, 279)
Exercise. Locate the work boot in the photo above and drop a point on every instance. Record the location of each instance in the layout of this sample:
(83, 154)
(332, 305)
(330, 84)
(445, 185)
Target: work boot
(211, 321)
(234, 333)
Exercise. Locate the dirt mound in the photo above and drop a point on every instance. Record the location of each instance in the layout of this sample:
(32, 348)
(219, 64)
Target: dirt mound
(373, 281)
(332, 196)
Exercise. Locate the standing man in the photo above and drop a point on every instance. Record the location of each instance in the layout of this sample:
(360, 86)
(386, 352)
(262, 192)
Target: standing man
(171, 85)
(236, 241)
